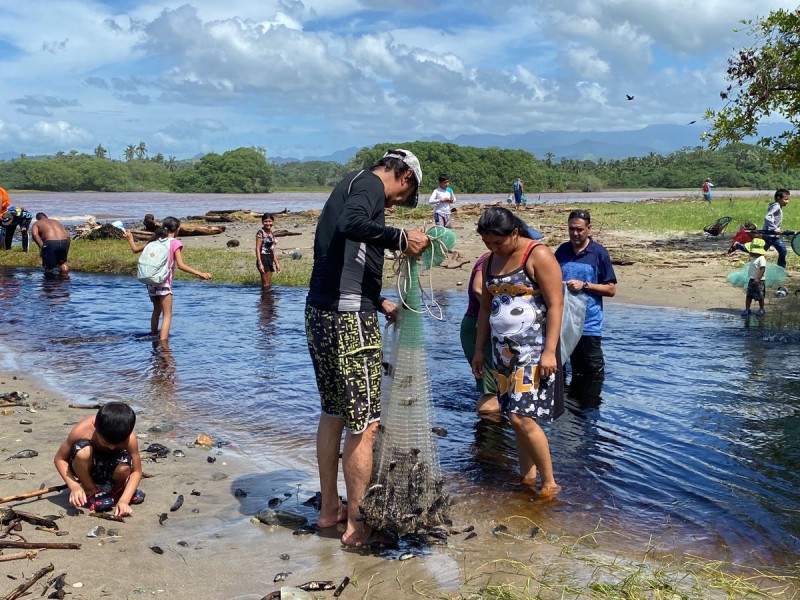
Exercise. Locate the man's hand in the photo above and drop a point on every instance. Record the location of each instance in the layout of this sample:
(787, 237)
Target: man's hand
(574, 285)
(389, 309)
(418, 240)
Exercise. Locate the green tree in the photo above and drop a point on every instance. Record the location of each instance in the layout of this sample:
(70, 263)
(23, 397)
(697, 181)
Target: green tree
(141, 151)
(764, 81)
(171, 164)
(130, 152)
(100, 152)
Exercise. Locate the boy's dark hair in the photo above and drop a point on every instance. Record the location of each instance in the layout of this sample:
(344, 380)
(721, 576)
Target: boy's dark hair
(500, 221)
(266, 216)
(443, 177)
(781, 193)
(115, 422)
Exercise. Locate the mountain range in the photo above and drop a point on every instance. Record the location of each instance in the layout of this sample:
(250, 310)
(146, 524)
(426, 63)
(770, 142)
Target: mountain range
(578, 145)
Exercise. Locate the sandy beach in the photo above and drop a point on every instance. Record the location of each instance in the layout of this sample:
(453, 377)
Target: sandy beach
(211, 547)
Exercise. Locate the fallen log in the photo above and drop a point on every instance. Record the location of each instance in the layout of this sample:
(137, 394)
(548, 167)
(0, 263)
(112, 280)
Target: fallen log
(39, 545)
(286, 233)
(30, 555)
(25, 586)
(23, 496)
(186, 230)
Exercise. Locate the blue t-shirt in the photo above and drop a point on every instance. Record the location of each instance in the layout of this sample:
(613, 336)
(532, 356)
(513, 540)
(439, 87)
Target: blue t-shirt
(592, 264)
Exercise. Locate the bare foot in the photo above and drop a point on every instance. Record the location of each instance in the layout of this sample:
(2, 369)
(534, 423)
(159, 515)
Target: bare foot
(340, 517)
(529, 481)
(358, 540)
(549, 491)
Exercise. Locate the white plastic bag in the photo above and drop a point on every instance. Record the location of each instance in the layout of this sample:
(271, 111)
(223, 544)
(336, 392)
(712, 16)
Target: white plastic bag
(572, 321)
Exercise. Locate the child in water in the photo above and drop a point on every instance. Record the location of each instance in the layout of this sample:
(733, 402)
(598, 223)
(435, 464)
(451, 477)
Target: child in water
(103, 450)
(161, 294)
(756, 289)
(266, 261)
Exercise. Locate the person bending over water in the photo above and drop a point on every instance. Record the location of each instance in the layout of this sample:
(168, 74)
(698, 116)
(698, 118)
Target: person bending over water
(520, 316)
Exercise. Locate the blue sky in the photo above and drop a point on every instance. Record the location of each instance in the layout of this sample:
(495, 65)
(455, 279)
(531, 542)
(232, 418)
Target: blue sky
(309, 77)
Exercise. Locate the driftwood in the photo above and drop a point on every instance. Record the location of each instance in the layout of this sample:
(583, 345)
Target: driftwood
(458, 266)
(285, 233)
(24, 587)
(94, 406)
(35, 519)
(13, 524)
(30, 555)
(186, 230)
(39, 545)
(106, 231)
(55, 488)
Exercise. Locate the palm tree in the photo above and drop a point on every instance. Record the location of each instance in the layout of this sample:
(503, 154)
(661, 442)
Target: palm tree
(130, 151)
(141, 150)
(172, 164)
(100, 152)
(548, 159)
(159, 158)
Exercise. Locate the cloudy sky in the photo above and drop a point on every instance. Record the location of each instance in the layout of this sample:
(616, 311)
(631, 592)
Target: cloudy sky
(309, 77)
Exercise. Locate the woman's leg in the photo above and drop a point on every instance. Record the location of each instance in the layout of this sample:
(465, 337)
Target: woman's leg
(166, 318)
(533, 450)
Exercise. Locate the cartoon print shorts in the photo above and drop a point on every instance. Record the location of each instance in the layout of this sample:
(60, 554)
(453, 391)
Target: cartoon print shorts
(345, 348)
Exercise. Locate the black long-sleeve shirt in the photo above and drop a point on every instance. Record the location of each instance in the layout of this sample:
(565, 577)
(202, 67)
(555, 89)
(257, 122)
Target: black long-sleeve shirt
(349, 242)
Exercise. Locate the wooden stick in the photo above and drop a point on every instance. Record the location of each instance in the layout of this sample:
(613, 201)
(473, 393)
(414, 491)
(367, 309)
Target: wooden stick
(14, 522)
(22, 588)
(39, 545)
(30, 555)
(35, 519)
(54, 488)
(95, 406)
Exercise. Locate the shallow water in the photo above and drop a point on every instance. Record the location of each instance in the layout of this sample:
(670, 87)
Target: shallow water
(77, 206)
(696, 443)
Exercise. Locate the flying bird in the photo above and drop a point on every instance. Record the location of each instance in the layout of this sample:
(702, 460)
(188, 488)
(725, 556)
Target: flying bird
(629, 97)
(691, 122)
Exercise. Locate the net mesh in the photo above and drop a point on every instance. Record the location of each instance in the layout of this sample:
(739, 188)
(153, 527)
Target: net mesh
(406, 494)
(773, 276)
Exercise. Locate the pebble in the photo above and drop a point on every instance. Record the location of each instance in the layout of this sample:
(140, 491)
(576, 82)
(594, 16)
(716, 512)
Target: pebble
(161, 428)
(29, 430)
(77, 584)
(25, 422)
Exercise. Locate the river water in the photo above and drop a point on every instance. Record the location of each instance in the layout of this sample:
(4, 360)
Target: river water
(695, 448)
(77, 206)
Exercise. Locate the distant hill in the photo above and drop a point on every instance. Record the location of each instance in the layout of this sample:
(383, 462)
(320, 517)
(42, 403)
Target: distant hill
(340, 156)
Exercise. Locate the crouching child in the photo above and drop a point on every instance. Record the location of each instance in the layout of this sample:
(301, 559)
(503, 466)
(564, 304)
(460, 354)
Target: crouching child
(103, 451)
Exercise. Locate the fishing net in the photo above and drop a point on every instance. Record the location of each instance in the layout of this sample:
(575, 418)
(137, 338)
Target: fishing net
(796, 243)
(406, 494)
(773, 276)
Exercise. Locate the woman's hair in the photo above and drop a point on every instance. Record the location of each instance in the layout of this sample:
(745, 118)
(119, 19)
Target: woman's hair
(168, 225)
(500, 221)
(266, 216)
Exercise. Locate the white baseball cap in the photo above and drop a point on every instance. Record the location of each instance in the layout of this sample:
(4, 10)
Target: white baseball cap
(410, 159)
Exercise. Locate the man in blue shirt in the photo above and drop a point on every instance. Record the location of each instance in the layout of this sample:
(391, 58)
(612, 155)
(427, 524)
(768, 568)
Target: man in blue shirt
(586, 267)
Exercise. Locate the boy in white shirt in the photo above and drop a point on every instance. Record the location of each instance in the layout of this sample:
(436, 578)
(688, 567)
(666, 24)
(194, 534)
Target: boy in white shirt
(442, 197)
(756, 289)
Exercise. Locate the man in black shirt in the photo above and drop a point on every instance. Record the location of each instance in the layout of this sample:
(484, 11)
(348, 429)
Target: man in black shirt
(344, 338)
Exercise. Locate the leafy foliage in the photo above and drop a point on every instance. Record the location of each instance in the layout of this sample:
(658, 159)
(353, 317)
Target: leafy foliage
(243, 171)
(764, 81)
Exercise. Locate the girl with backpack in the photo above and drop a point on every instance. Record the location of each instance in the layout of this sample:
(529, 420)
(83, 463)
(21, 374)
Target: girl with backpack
(161, 293)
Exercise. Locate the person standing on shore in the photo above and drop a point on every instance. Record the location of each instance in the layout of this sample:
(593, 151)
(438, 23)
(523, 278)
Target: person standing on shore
(707, 187)
(443, 197)
(519, 190)
(266, 260)
(53, 242)
(587, 268)
(342, 329)
(772, 225)
(16, 216)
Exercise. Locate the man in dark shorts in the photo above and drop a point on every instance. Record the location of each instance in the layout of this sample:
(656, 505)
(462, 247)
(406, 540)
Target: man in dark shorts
(53, 242)
(342, 329)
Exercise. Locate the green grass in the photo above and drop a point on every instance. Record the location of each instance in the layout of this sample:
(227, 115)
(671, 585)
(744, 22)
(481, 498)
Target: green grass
(684, 215)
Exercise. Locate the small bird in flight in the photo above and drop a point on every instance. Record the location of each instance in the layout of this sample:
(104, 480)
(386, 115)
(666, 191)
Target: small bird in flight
(691, 122)
(629, 97)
